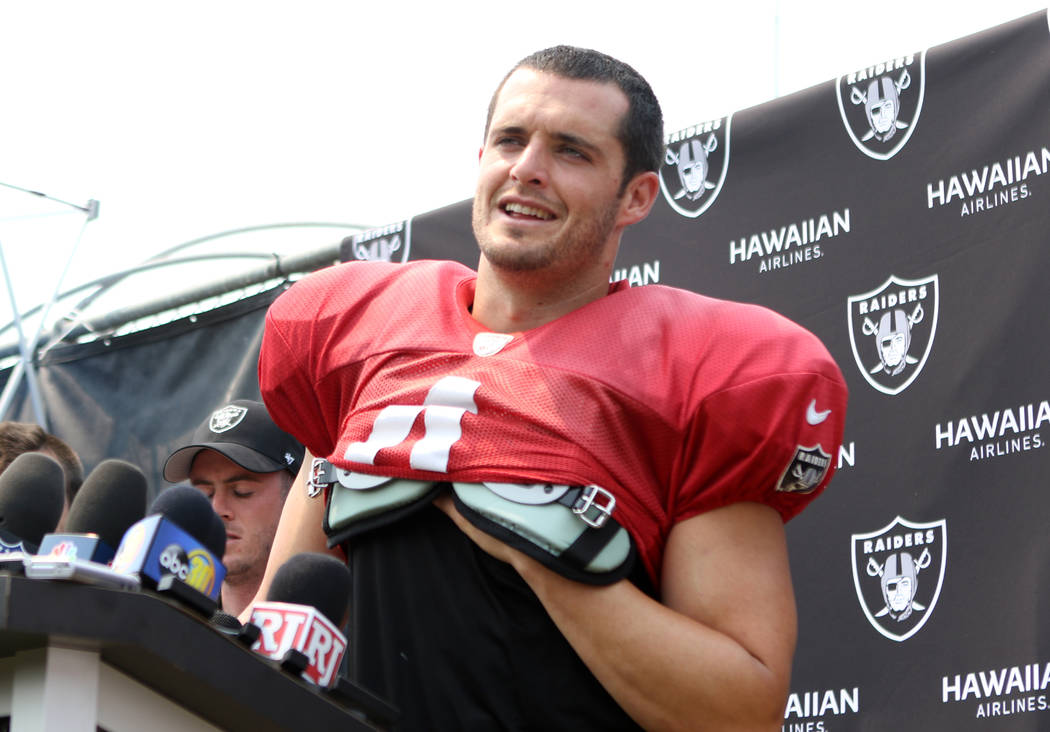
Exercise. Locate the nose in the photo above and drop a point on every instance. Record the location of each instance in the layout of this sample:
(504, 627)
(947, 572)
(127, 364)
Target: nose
(222, 505)
(531, 165)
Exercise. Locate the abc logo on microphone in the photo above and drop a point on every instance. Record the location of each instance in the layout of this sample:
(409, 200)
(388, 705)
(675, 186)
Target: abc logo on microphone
(155, 547)
(196, 568)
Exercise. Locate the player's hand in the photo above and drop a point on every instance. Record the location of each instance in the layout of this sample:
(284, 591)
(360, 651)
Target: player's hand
(487, 543)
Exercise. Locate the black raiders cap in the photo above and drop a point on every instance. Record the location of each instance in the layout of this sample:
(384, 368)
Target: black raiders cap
(243, 432)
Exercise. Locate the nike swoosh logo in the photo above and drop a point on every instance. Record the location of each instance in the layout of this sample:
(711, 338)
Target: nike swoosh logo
(813, 416)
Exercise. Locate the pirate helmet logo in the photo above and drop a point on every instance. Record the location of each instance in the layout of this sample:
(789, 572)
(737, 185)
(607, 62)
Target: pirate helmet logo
(387, 244)
(880, 106)
(889, 326)
(226, 418)
(898, 571)
(808, 467)
(695, 165)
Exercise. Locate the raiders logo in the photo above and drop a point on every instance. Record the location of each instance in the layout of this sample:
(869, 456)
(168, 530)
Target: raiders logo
(695, 164)
(226, 418)
(898, 572)
(891, 330)
(807, 468)
(880, 104)
(388, 244)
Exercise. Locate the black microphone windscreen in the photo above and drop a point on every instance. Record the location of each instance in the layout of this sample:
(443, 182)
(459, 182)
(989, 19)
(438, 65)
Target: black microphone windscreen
(191, 511)
(111, 499)
(225, 622)
(32, 496)
(318, 580)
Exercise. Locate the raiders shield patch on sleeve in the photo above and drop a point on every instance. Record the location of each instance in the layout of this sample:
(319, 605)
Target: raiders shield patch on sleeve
(805, 471)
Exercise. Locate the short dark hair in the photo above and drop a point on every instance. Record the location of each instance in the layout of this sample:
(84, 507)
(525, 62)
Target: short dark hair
(19, 437)
(641, 129)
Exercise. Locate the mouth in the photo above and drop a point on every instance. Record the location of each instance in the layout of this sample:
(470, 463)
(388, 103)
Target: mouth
(521, 211)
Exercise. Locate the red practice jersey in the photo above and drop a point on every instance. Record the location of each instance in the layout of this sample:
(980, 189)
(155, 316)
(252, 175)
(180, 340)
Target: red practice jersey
(674, 402)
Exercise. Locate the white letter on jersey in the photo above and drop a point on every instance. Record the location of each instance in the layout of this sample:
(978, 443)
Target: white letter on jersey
(391, 428)
(443, 410)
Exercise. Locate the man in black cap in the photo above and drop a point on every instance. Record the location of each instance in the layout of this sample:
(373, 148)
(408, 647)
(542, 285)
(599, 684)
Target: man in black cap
(245, 465)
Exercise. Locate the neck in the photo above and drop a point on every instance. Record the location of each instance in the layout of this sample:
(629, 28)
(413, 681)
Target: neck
(238, 595)
(511, 302)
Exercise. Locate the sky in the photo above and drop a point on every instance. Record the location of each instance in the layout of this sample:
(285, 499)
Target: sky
(185, 120)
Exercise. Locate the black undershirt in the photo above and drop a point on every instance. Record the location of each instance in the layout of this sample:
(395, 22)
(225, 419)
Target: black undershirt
(457, 640)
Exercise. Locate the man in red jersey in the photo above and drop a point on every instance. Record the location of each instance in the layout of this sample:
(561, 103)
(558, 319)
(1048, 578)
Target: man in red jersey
(562, 500)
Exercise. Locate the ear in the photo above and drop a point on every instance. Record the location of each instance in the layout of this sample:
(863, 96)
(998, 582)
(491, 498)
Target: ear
(638, 198)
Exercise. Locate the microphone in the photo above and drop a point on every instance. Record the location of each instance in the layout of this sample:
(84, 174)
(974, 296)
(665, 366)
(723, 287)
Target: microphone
(191, 511)
(32, 496)
(230, 626)
(177, 549)
(111, 499)
(309, 595)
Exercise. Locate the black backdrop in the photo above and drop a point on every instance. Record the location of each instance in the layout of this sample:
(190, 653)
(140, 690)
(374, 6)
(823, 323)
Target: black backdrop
(901, 212)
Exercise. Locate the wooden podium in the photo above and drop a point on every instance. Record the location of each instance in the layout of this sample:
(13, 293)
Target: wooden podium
(76, 657)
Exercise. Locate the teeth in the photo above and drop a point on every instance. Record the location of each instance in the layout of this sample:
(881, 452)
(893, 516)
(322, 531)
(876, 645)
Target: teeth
(527, 211)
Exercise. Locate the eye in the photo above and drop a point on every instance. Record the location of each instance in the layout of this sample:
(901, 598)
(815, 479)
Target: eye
(506, 141)
(242, 493)
(574, 153)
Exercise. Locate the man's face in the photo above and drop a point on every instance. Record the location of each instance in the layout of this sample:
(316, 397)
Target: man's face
(250, 506)
(883, 116)
(549, 180)
(898, 593)
(694, 174)
(894, 348)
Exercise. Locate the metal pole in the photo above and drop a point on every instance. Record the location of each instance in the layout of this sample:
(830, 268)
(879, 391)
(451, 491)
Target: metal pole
(24, 367)
(26, 361)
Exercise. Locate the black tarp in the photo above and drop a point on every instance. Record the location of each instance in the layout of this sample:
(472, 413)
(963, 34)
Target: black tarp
(937, 230)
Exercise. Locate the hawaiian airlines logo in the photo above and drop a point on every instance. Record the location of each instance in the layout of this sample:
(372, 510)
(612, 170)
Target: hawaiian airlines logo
(695, 166)
(387, 244)
(898, 571)
(1008, 691)
(880, 104)
(805, 710)
(888, 326)
(991, 185)
(993, 434)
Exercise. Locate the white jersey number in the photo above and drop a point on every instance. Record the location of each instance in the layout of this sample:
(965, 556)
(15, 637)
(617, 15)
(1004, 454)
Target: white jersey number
(443, 410)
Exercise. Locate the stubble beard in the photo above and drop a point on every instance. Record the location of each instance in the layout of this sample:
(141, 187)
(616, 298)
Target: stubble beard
(248, 567)
(582, 243)
(238, 571)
